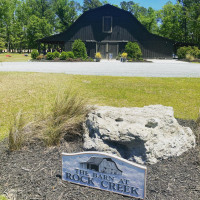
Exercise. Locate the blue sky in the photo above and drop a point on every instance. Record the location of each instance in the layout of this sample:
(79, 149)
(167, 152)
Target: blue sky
(155, 4)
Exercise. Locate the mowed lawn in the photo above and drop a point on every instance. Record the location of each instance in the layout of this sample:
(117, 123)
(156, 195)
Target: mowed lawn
(15, 57)
(33, 93)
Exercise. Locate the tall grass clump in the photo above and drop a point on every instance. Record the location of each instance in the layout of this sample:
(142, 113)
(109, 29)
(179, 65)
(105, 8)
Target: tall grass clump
(67, 113)
(16, 137)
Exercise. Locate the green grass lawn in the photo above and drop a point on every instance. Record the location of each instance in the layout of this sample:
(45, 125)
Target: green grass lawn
(15, 57)
(33, 93)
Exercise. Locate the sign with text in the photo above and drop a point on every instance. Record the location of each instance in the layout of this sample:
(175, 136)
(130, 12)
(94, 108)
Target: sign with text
(105, 172)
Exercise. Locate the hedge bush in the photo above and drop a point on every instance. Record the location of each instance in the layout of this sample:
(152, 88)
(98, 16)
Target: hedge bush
(56, 54)
(66, 55)
(50, 56)
(34, 54)
(63, 55)
(195, 52)
(133, 50)
(70, 54)
(79, 49)
(183, 51)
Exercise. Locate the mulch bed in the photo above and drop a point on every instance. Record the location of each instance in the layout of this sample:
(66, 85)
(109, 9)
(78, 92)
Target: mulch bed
(60, 60)
(34, 173)
(140, 61)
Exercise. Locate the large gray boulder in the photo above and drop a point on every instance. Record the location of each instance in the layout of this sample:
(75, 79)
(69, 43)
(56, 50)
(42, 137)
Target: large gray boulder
(143, 135)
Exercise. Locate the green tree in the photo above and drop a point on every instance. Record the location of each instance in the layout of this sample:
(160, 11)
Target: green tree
(2, 24)
(36, 29)
(128, 6)
(171, 25)
(147, 17)
(90, 4)
(2, 45)
(7, 9)
(67, 13)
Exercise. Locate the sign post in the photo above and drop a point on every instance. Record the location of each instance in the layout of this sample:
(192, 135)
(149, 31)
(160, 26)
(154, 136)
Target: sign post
(106, 172)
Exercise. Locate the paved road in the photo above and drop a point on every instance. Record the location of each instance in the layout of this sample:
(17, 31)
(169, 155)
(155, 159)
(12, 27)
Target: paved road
(158, 68)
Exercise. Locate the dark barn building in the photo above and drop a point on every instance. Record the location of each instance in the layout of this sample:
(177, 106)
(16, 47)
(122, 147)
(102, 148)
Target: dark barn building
(107, 29)
(102, 165)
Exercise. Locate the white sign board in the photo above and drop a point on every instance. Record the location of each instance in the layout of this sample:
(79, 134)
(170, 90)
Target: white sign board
(105, 172)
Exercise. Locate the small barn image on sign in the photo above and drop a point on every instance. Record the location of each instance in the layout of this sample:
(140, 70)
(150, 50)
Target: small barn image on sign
(102, 165)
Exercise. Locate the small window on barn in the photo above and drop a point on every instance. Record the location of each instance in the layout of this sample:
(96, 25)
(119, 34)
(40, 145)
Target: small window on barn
(107, 24)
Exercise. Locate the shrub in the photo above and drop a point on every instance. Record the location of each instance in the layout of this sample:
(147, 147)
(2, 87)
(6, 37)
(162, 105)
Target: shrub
(16, 138)
(56, 54)
(133, 50)
(34, 54)
(190, 57)
(63, 55)
(194, 51)
(40, 57)
(68, 111)
(66, 55)
(79, 49)
(70, 54)
(183, 51)
(50, 56)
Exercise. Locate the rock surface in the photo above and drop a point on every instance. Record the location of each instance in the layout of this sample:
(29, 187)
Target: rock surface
(143, 135)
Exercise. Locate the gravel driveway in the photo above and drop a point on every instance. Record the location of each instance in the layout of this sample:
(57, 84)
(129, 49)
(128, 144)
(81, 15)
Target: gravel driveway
(158, 68)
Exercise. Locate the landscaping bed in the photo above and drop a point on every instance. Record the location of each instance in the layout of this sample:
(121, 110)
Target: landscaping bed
(35, 173)
(139, 61)
(58, 60)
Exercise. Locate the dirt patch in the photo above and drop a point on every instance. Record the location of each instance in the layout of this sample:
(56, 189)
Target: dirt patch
(35, 171)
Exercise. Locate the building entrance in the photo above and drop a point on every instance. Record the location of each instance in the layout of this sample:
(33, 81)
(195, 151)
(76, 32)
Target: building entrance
(108, 50)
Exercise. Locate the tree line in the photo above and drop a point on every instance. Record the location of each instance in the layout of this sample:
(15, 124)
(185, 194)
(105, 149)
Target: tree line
(23, 22)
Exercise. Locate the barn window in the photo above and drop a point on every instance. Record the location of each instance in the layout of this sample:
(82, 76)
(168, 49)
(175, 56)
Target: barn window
(107, 24)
